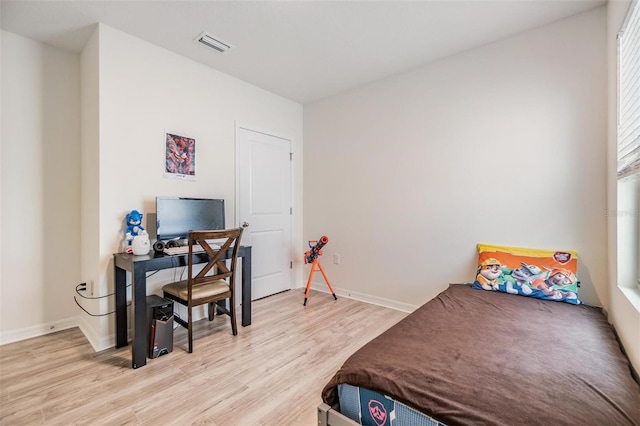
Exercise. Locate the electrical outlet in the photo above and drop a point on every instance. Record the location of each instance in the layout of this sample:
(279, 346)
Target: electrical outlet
(336, 259)
(91, 287)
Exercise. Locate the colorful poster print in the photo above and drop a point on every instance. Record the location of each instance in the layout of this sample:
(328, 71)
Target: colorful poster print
(180, 156)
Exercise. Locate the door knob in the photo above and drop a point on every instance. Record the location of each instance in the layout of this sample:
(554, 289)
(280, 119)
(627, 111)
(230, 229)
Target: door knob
(245, 224)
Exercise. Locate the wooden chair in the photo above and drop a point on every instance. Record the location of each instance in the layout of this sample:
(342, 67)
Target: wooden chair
(214, 282)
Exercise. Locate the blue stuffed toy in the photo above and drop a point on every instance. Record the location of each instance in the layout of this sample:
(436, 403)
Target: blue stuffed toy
(134, 228)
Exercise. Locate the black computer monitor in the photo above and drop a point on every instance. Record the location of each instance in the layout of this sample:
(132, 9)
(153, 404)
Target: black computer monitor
(176, 216)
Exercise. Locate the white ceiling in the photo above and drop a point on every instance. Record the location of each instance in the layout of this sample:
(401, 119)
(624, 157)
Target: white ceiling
(301, 50)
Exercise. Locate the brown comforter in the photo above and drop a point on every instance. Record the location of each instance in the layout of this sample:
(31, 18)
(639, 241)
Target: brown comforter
(476, 357)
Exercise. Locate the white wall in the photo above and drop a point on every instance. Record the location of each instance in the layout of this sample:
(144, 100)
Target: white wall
(40, 188)
(144, 90)
(1, 182)
(90, 183)
(502, 144)
(90, 148)
(624, 311)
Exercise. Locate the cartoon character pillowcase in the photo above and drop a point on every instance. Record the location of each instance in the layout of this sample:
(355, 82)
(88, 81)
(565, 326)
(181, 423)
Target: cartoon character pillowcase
(545, 274)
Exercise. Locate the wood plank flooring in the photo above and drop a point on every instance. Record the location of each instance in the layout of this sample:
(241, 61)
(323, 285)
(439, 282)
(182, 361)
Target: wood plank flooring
(272, 373)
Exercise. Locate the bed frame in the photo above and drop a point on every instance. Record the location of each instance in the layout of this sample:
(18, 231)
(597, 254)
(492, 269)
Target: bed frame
(327, 416)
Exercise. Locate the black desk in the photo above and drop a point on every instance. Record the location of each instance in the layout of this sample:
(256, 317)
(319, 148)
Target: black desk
(139, 266)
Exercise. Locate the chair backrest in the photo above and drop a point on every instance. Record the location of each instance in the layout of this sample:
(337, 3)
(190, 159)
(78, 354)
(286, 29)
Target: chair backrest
(227, 239)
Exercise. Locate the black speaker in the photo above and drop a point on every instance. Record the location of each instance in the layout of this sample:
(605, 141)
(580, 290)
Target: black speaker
(162, 338)
(158, 246)
(160, 321)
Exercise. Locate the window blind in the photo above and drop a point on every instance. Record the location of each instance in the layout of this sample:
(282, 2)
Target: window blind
(629, 93)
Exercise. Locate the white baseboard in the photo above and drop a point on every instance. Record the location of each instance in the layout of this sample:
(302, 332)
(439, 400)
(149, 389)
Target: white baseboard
(97, 343)
(100, 343)
(367, 298)
(39, 330)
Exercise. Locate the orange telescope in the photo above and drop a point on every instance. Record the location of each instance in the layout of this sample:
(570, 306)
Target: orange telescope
(311, 256)
(316, 250)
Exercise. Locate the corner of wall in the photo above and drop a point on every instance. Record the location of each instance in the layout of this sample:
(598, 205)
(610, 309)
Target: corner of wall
(90, 169)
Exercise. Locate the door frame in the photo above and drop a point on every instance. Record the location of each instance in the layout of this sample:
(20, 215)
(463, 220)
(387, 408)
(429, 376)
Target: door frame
(238, 126)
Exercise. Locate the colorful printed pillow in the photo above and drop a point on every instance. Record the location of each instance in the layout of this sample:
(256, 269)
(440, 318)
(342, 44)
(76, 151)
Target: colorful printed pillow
(545, 274)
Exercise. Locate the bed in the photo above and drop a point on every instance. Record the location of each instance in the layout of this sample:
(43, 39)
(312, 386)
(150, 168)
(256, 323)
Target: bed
(473, 357)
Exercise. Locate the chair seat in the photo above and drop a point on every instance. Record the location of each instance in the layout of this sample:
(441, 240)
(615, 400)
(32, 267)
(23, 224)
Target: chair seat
(201, 291)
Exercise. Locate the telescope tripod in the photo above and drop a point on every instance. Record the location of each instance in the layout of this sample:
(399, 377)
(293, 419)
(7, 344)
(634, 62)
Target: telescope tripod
(315, 267)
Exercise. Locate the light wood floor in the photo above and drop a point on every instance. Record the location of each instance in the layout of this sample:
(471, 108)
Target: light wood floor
(272, 373)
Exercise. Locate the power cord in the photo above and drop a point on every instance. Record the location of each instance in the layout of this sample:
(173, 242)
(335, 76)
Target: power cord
(175, 323)
(83, 287)
(153, 273)
(94, 315)
(174, 263)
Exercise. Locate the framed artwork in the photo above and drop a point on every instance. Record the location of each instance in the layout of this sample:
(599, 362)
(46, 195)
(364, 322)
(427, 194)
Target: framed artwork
(180, 156)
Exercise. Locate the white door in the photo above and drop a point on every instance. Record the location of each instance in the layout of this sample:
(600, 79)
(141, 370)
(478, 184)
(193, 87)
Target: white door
(264, 208)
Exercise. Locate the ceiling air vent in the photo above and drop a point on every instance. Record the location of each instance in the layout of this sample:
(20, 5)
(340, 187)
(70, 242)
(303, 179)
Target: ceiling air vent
(214, 43)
